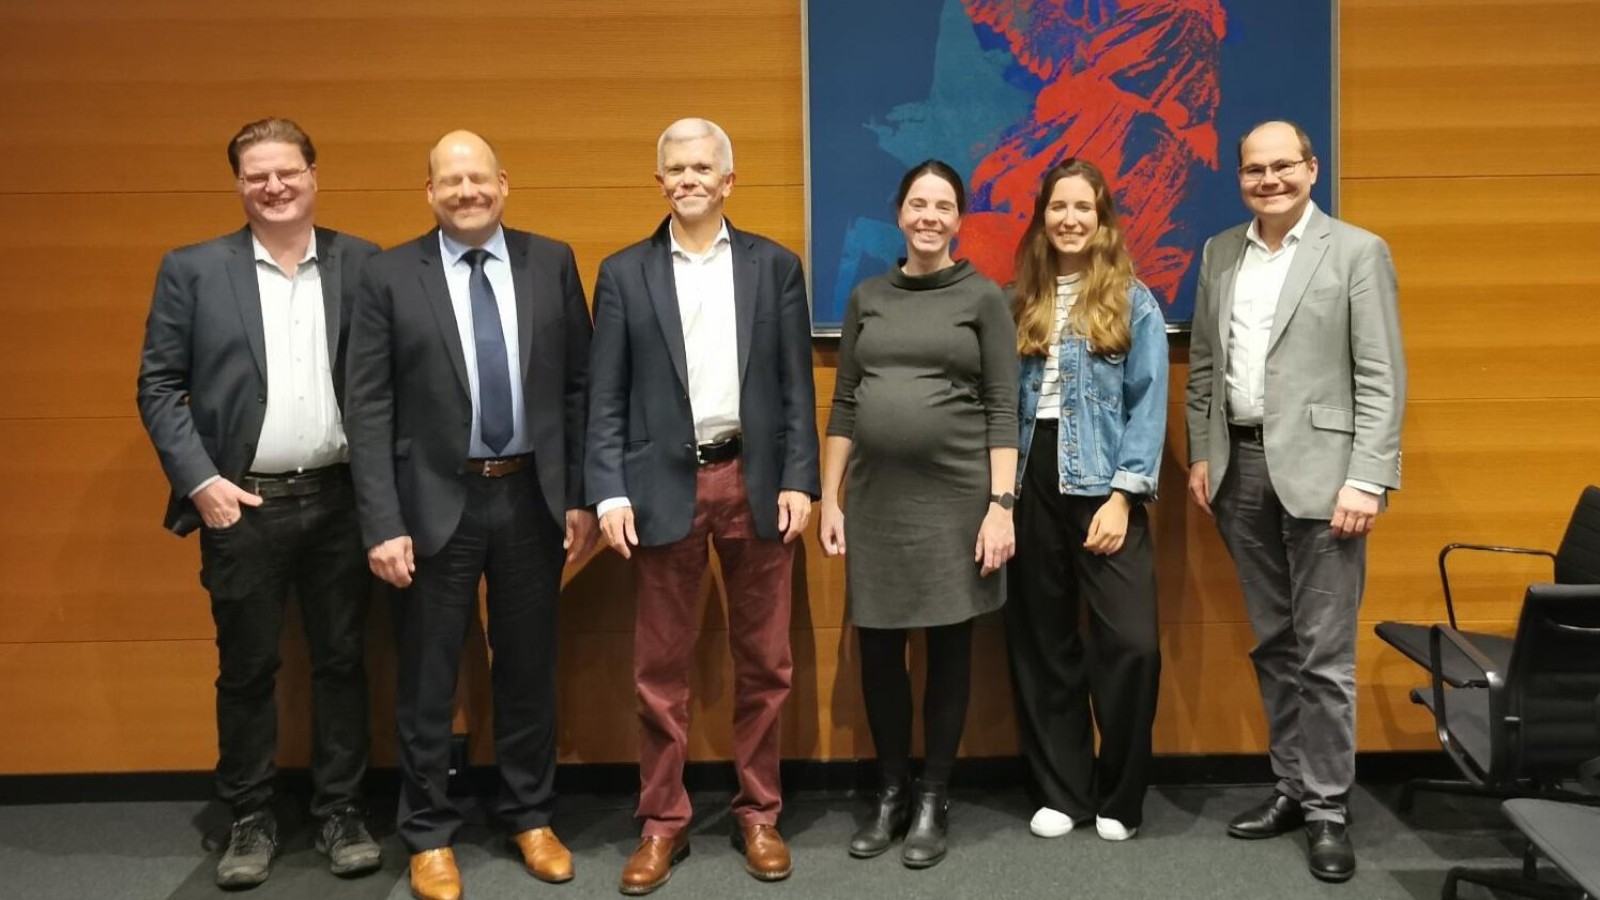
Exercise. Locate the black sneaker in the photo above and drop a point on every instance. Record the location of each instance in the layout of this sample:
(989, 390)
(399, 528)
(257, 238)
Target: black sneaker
(349, 848)
(251, 844)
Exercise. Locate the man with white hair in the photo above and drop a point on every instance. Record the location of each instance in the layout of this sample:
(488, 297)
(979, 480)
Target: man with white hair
(702, 427)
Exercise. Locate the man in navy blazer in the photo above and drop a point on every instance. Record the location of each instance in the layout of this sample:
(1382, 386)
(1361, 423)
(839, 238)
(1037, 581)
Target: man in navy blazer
(702, 427)
(240, 388)
(468, 355)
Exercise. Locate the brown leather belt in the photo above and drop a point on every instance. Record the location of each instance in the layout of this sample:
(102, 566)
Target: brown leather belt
(271, 486)
(499, 467)
(719, 451)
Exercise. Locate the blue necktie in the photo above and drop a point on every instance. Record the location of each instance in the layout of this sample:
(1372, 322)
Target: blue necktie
(494, 376)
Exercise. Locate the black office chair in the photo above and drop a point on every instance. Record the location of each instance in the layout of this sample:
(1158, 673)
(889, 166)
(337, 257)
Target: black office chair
(1576, 561)
(1525, 732)
(1567, 834)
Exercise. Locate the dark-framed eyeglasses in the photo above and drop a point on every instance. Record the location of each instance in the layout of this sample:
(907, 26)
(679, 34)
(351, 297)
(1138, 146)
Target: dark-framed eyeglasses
(1283, 168)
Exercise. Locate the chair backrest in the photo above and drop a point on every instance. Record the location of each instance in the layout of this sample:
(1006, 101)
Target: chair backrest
(1550, 686)
(1578, 557)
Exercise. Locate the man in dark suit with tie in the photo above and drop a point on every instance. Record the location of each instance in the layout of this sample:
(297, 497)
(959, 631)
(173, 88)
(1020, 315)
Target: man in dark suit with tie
(702, 426)
(240, 390)
(468, 354)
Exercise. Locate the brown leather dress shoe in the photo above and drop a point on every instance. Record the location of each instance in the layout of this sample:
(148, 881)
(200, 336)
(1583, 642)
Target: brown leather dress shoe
(651, 863)
(545, 856)
(765, 855)
(434, 875)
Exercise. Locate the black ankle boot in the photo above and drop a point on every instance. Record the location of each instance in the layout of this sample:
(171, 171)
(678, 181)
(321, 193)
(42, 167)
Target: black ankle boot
(925, 840)
(890, 817)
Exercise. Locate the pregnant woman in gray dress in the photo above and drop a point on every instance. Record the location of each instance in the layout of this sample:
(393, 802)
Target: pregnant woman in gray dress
(924, 422)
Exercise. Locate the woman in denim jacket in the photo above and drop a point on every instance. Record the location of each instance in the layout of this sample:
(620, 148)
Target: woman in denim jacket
(1093, 409)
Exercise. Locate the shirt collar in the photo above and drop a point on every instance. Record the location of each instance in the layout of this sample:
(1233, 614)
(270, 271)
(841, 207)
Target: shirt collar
(262, 255)
(1253, 233)
(453, 249)
(717, 243)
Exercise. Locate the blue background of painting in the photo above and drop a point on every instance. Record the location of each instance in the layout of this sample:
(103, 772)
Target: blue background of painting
(866, 58)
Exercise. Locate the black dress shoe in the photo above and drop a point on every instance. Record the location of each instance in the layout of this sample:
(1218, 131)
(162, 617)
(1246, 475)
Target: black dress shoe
(930, 817)
(1279, 815)
(1331, 858)
(891, 816)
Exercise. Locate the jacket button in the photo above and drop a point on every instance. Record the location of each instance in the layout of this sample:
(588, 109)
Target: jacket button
(261, 398)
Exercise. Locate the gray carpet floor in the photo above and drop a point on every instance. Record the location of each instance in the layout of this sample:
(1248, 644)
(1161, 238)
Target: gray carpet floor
(154, 851)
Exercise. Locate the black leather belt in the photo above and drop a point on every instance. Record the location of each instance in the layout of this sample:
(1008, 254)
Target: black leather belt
(719, 451)
(1246, 434)
(501, 467)
(269, 486)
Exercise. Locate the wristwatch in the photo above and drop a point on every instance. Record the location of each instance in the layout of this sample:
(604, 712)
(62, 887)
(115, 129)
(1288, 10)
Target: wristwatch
(1006, 500)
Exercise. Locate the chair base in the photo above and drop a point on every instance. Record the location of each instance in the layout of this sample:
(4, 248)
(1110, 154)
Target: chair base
(1512, 881)
(1408, 792)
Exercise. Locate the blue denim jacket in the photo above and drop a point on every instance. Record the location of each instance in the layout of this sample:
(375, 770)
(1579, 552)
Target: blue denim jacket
(1113, 408)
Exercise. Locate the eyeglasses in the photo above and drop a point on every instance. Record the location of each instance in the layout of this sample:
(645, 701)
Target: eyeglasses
(1283, 168)
(258, 180)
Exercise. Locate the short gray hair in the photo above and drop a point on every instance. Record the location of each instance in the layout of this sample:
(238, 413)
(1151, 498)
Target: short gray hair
(693, 129)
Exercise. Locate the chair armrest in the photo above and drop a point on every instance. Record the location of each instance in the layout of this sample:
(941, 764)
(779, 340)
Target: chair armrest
(1444, 573)
(1437, 636)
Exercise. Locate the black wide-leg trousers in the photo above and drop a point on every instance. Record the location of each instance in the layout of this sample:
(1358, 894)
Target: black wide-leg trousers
(1063, 687)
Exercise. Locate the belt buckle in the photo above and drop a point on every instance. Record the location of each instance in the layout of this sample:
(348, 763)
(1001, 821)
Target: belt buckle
(491, 468)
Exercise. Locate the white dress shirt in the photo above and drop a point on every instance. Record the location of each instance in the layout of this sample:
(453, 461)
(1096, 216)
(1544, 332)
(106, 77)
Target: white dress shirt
(302, 428)
(704, 285)
(457, 274)
(1256, 289)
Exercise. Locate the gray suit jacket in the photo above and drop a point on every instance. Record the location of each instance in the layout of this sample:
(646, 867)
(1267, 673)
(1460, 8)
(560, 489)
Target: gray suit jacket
(203, 372)
(1336, 373)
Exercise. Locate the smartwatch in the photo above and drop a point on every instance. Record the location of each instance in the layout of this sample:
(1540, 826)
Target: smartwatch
(1006, 500)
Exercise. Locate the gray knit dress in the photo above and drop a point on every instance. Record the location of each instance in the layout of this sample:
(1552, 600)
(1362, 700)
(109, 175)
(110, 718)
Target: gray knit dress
(927, 383)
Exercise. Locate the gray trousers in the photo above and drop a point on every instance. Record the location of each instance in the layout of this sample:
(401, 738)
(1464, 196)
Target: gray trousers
(1302, 590)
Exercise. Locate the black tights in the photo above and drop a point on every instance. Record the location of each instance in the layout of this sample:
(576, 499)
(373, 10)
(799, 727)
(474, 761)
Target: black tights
(886, 686)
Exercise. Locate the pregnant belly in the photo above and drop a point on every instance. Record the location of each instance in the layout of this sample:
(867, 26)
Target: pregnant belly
(917, 421)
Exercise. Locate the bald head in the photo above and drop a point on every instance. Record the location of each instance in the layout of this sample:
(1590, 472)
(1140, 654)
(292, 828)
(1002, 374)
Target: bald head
(461, 142)
(1278, 128)
(466, 187)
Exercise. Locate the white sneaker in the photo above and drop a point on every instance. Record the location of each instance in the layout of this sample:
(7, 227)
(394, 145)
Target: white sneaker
(1112, 830)
(1048, 823)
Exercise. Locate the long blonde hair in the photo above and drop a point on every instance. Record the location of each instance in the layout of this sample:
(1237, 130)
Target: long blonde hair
(1100, 314)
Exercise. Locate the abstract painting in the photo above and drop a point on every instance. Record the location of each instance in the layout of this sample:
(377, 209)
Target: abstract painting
(1154, 92)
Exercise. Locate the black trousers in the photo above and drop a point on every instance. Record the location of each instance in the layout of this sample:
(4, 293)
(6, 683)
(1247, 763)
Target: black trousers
(1063, 690)
(310, 545)
(508, 538)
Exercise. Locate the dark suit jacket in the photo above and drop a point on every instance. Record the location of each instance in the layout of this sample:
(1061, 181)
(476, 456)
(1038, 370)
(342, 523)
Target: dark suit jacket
(203, 372)
(641, 430)
(408, 404)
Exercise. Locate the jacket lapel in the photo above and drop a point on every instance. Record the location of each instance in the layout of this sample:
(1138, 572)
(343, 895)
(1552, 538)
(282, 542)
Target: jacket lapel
(1231, 255)
(522, 286)
(329, 266)
(746, 282)
(662, 285)
(437, 290)
(247, 292)
(1307, 257)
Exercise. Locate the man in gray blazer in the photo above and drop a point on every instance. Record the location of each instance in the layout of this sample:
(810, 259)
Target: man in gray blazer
(240, 388)
(1296, 393)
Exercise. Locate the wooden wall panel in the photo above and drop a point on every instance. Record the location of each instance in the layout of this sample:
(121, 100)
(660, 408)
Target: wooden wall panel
(1434, 88)
(1466, 136)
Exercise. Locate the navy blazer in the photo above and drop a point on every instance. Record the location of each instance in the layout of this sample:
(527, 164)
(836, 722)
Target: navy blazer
(408, 412)
(203, 371)
(641, 430)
